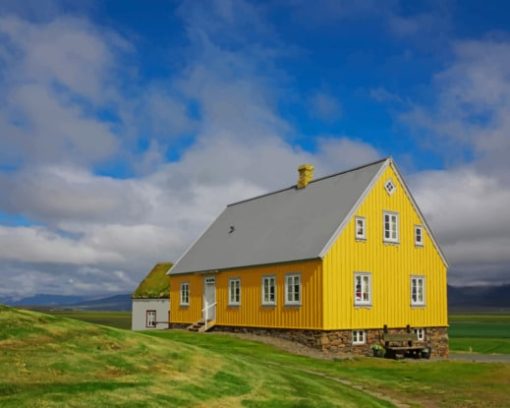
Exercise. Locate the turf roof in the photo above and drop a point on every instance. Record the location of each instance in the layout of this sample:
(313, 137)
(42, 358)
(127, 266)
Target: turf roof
(155, 284)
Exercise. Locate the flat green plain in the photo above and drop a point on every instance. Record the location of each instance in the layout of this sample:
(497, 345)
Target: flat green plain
(53, 361)
(480, 332)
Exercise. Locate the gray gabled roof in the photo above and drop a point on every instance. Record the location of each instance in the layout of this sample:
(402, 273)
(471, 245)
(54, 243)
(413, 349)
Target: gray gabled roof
(284, 226)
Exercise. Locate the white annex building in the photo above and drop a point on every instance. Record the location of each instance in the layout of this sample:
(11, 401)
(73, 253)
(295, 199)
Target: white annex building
(150, 301)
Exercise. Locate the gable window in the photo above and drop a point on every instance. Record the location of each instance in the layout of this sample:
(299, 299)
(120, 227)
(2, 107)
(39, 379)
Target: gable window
(358, 337)
(418, 235)
(293, 289)
(362, 289)
(268, 290)
(390, 187)
(150, 318)
(360, 228)
(234, 292)
(420, 334)
(184, 294)
(417, 290)
(390, 222)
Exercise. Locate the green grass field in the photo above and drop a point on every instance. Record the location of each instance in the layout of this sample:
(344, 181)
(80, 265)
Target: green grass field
(475, 332)
(52, 361)
(481, 332)
(121, 320)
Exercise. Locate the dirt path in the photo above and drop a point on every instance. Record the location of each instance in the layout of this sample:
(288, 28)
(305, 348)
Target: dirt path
(480, 358)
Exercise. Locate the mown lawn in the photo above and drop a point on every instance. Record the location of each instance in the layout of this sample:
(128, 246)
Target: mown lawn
(53, 361)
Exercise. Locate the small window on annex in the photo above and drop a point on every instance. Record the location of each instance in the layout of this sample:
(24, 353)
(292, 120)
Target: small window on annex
(150, 318)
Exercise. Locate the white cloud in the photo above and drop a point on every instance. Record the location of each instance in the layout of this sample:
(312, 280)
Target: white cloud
(468, 123)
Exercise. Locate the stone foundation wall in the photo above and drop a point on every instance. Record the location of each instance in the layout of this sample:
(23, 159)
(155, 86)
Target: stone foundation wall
(340, 341)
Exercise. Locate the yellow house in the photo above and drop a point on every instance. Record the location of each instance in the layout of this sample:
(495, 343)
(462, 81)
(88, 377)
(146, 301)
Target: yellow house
(330, 263)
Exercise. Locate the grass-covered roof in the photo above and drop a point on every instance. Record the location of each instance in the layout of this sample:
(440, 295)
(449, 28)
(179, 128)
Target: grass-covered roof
(155, 284)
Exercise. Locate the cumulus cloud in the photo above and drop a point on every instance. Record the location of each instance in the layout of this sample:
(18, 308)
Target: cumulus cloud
(468, 124)
(94, 233)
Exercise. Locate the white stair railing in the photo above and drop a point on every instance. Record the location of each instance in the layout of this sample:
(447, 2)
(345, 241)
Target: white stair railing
(205, 313)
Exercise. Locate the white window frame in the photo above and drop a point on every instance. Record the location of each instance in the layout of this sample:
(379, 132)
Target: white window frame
(184, 294)
(363, 221)
(391, 239)
(234, 294)
(293, 301)
(362, 275)
(359, 337)
(266, 300)
(416, 241)
(148, 321)
(414, 282)
(420, 334)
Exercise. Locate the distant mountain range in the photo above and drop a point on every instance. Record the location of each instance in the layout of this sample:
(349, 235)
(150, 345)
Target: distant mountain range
(120, 302)
(478, 297)
(459, 298)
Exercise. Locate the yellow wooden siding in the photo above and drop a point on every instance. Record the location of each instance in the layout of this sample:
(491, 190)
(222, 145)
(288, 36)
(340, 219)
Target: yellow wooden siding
(391, 267)
(251, 312)
(193, 312)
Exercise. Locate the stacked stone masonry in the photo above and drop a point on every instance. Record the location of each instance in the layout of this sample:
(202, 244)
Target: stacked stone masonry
(340, 341)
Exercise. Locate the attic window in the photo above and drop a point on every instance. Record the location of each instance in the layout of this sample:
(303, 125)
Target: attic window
(390, 187)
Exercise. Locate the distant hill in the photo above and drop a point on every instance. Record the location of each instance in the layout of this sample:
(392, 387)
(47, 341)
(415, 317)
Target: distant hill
(117, 302)
(42, 299)
(459, 298)
(478, 297)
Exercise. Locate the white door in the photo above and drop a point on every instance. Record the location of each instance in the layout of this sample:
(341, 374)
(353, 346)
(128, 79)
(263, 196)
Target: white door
(209, 312)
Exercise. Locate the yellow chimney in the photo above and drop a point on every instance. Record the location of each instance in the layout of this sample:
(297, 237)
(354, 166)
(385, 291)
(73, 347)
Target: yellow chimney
(305, 175)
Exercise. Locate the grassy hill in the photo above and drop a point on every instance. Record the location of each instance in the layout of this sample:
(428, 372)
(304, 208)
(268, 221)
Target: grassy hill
(52, 361)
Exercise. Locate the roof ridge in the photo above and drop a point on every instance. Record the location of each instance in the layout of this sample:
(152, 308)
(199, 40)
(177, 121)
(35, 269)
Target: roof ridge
(312, 181)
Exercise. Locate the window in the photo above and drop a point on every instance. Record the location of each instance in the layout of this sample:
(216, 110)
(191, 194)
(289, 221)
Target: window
(293, 289)
(360, 228)
(358, 337)
(390, 187)
(362, 289)
(420, 334)
(390, 227)
(184, 294)
(417, 290)
(150, 318)
(418, 235)
(234, 292)
(268, 290)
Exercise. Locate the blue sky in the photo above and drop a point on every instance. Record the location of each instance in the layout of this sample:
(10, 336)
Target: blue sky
(126, 122)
